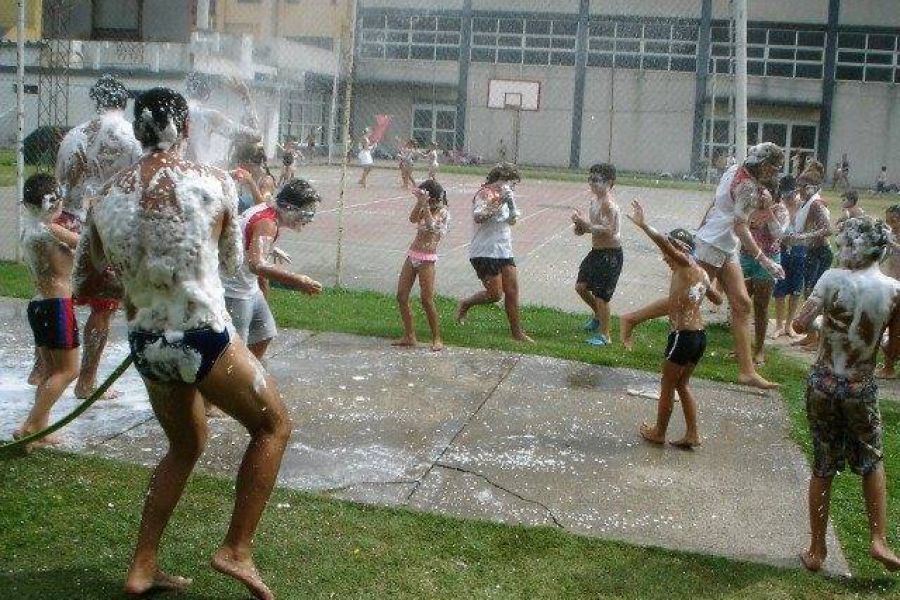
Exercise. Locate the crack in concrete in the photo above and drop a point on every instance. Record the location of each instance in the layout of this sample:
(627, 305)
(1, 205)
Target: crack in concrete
(463, 427)
(503, 488)
(344, 488)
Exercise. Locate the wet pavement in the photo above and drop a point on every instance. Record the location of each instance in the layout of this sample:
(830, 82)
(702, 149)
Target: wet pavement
(489, 435)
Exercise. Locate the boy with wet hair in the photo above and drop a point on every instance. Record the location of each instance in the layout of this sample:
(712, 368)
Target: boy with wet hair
(858, 304)
(88, 156)
(600, 270)
(49, 249)
(494, 213)
(687, 341)
(166, 225)
(294, 207)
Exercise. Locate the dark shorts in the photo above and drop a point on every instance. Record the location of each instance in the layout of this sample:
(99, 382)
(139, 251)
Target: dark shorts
(686, 347)
(793, 261)
(490, 267)
(818, 260)
(53, 323)
(177, 357)
(845, 423)
(600, 270)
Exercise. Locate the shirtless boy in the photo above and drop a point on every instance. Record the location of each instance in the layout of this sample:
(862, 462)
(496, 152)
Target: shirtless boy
(687, 341)
(88, 156)
(295, 207)
(858, 303)
(49, 249)
(165, 225)
(599, 271)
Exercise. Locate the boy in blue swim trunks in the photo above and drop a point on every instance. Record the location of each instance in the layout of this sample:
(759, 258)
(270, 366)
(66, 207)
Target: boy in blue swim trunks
(49, 249)
(165, 225)
(687, 341)
(858, 304)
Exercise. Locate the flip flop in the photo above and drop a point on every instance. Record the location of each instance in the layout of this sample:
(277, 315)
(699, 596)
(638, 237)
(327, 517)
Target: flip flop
(591, 324)
(598, 340)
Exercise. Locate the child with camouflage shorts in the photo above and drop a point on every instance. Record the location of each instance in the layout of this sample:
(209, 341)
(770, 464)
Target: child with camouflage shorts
(858, 303)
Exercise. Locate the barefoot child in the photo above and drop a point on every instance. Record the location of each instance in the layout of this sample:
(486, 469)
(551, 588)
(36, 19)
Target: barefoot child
(494, 212)
(793, 259)
(406, 156)
(49, 249)
(433, 165)
(599, 271)
(687, 342)
(431, 217)
(858, 303)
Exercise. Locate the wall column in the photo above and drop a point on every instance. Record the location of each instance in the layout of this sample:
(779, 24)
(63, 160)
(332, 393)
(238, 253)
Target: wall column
(828, 81)
(703, 56)
(462, 86)
(581, 56)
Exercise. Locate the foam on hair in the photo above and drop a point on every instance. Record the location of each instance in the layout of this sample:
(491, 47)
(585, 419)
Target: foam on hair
(160, 115)
(109, 92)
(864, 239)
(435, 190)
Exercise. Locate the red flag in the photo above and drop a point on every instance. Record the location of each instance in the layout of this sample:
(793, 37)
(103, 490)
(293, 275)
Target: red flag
(382, 124)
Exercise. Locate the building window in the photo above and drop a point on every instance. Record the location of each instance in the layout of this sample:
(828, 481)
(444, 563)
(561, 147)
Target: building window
(771, 52)
(652, 46)
(870, 57)
(399, 36)
(529, 41)
(797, 139)
(117, 19)
(434, 124)
(303, 114)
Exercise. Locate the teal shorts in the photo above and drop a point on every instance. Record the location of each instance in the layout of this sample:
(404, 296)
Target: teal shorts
(755, 271)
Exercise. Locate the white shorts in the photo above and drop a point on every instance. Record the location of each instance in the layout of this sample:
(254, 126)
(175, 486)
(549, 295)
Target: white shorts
(711, 255)
(252, 318)
(365, 158)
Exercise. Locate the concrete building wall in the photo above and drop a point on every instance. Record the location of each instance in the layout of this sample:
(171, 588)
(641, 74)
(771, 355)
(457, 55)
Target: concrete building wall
(417, 5)
(883, 13)
(866, 126)
(545, 6)
(385, 99)
(652, 120)
(544, 135)
(407, 72)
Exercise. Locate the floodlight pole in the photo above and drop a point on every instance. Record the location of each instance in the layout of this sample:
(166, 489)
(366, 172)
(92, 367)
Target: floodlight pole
(20, 120)
(740, 79)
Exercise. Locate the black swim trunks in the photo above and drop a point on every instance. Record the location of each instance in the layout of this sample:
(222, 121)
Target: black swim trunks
(184, 357)
(686, 347)
(53, 323)
(600, 270)
(490, 267)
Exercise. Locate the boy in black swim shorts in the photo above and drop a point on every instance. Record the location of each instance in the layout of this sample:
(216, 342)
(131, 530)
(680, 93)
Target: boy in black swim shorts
(687, 342)
(599, 271)
(49, 250)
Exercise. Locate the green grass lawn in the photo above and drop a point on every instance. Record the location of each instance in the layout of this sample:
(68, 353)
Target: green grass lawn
(324, 548)
(8, 168)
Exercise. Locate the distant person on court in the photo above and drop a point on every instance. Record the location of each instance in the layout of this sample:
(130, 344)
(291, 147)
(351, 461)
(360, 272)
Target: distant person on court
(433, 164)
(494, 212)
(687, 341)
(255, 181)
(290, 154)
(431, 217)
(294, 207)
(406, 158)
(890, 266)
(768, 224)
(850, 208)
(881, 182)
(858, 304)
(49, 249)
(717, 240)
(88, 156)
(167, 225)
(366, 147)
(599, 272)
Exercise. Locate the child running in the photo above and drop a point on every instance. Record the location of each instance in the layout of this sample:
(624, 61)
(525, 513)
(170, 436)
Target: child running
(433, 165)
(687, 342)
(49, 249)
(295, 207)
(858, 303)
(494, 212)
(431, 218)
(599, 271)
(890, 266)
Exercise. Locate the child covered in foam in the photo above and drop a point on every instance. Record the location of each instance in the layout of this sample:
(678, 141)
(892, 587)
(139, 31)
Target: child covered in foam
(166, 225)
(858, 303)
(49, 251)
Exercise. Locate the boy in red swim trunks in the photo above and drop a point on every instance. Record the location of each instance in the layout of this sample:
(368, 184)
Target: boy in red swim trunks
(49, 251)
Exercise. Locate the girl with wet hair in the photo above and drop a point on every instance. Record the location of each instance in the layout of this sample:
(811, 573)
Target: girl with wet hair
(160, 118)
(431, 218)
(255, 181)
(366, 147)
